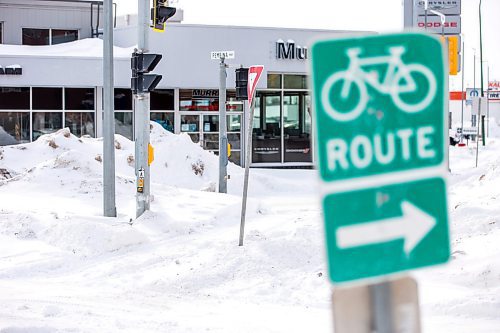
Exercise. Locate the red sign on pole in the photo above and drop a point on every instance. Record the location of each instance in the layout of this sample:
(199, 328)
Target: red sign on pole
(254, 73)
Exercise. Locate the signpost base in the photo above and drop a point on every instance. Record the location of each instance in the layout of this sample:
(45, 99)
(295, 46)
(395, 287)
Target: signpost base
(388, 307)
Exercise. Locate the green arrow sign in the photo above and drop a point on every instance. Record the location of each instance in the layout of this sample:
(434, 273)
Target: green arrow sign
(379, 106)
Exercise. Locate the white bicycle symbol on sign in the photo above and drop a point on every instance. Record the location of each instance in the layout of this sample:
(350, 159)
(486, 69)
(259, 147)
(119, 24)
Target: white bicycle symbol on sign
(397, 72)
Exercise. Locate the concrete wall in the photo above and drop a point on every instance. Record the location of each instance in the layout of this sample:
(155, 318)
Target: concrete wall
(16, 15)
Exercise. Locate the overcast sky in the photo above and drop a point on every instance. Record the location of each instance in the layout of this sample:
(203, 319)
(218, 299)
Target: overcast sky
(368, 15)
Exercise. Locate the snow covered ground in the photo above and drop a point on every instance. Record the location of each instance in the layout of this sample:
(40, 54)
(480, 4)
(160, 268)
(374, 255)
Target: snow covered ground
(178, 268)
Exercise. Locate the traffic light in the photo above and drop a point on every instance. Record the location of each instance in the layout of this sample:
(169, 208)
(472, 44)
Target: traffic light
(160, 13)
(241, 84)
(142, 63)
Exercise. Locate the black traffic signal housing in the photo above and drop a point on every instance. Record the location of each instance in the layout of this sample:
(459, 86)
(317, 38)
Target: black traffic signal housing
(142, 63)
(160, 13)
(241, 84)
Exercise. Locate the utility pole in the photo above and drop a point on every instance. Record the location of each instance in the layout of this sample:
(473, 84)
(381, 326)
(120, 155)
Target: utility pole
(222, 128)
(109, 119)
(463, 73)
(141, 102)
(481, 62)
(473, 117)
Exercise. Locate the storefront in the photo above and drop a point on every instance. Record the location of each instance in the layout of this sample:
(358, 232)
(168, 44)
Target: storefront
(45, 97)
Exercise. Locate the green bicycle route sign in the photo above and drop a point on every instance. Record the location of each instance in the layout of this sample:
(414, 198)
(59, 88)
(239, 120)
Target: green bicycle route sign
(379, 108)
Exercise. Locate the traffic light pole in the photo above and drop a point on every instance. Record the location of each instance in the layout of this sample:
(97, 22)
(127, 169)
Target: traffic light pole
(141, 102)
(109, 201)
(222, 128)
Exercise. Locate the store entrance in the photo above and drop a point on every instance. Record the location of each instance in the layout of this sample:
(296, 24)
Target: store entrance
(282, 128)
(266, 136)
(297, 127)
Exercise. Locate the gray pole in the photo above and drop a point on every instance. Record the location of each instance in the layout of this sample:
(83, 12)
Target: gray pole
(109, 119)
(488, 103)
(408, 14)
(477, 137)
(463, 70)
(473, 119)
(141, 102)
(380, 295)
(222, 128)
(248, 156)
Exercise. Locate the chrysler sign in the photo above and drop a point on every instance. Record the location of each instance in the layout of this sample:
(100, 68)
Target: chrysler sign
(447, 7)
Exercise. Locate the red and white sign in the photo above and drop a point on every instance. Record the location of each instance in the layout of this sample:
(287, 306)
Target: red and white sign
(494, 91)
(451, 25)
(254, 73)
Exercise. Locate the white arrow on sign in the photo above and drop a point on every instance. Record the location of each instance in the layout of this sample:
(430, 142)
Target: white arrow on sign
(413, 226)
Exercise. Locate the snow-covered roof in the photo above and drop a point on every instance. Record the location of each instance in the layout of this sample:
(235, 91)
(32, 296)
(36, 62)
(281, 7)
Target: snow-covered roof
(89, 47)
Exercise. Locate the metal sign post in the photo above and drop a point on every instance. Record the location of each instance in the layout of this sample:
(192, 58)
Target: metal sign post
(223, 158)
(358, 309)
(109, 118)
(141, 102)
(223, 141)
(254, 73)
(248, 157)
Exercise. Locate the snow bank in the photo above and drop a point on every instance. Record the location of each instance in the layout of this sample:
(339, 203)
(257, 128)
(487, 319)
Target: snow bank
(88, 47)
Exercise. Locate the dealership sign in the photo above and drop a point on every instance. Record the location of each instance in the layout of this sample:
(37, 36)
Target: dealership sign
(447, 7)
(290, 50)
(494, 90)
(451, 25)
(11, 70)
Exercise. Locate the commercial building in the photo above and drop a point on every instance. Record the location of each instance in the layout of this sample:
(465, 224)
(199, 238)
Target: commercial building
(52, 86)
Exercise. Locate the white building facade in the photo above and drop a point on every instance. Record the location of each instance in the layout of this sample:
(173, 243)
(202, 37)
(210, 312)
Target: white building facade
(58, 85)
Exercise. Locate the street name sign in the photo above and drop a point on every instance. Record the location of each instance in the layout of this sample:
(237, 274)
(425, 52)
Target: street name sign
(216, 55)
(380, 116)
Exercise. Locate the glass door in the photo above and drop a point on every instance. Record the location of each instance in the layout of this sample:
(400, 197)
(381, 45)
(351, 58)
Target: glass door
(297, 127)
(266, 135)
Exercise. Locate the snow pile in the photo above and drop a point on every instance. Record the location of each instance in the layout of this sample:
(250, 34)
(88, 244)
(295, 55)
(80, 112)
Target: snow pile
(88, 47)
(178, 161)
(178, 268)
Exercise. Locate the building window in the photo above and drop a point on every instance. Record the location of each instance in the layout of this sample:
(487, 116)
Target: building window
(80, 123)
(124, 124)
(165, 119)
(47, 98)
(63, 36)
(35, 36)
(123, 99)
(14, 98)
(14, 128)
(295, 81)
(199, 100)
(274, 81)
(79, 99)
(46, 123)
(162, 99)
